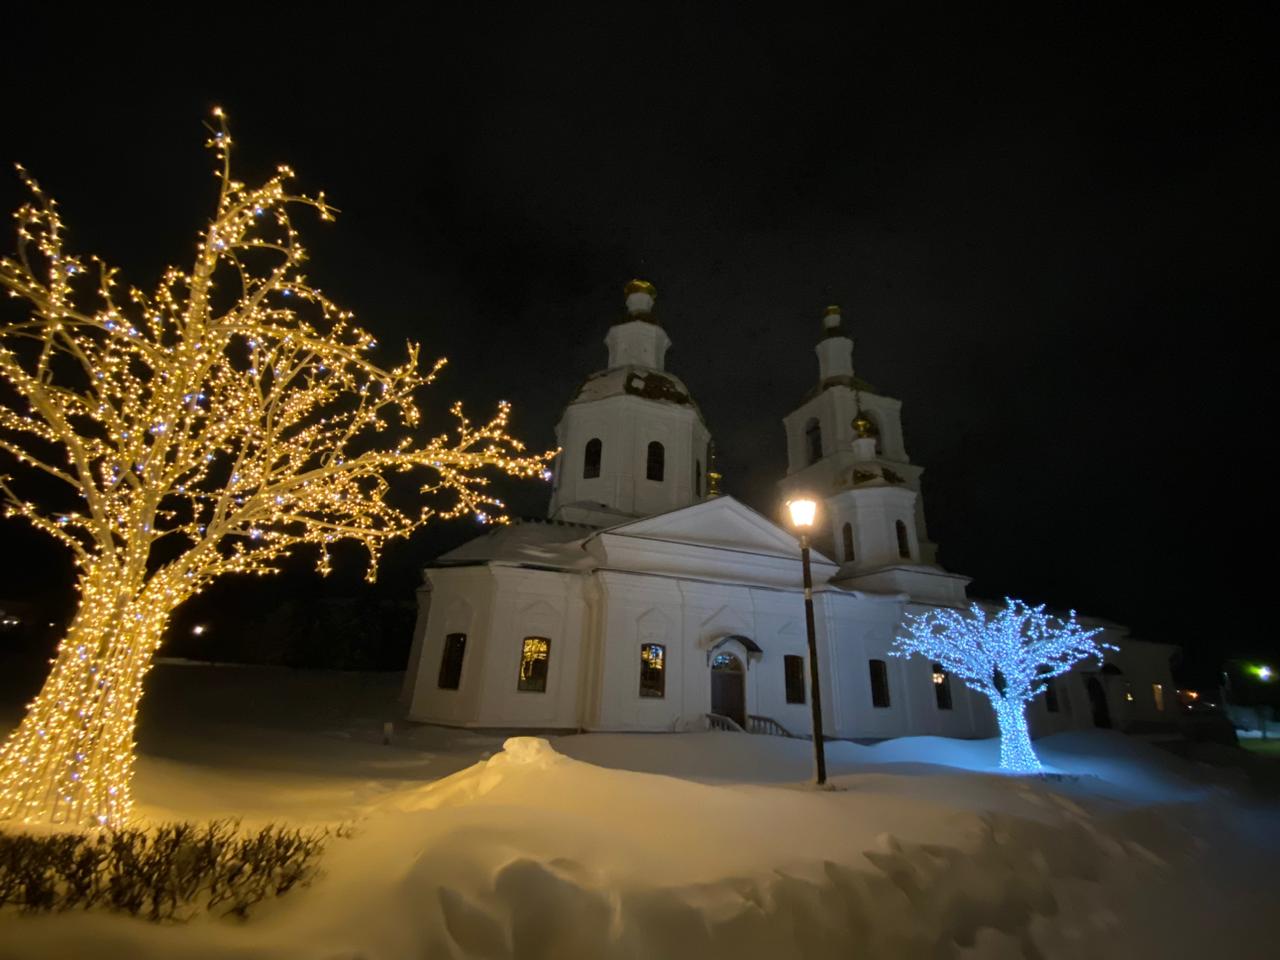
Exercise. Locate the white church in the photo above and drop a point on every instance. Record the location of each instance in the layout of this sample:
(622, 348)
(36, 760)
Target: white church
(648, 601)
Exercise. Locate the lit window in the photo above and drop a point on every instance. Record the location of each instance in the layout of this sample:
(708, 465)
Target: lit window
(813, 440)
(535, 656)
(656, 463)
(847, 533)
(904, 542)
(1128, 692)
(879, 683)
(941, 687)
(1157, 693)
(793, 671)
(455, 646)
(591, 458)
(653, 670)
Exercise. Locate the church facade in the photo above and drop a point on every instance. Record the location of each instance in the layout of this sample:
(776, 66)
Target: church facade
(648, 601)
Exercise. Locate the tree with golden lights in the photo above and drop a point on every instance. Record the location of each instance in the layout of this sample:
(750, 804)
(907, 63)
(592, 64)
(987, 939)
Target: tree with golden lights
(214, 426)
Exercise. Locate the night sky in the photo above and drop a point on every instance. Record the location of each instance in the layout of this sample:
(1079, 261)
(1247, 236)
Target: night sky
(1050, 233)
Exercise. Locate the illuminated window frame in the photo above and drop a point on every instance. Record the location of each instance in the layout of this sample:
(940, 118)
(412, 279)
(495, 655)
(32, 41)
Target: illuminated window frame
(653, 670)
(535, 664)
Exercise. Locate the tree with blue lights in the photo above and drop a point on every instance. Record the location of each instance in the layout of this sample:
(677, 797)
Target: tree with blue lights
(1010, 657)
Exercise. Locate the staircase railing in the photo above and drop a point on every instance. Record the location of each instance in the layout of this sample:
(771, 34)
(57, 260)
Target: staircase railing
(756, 724)
(767, 726)
(718, 721)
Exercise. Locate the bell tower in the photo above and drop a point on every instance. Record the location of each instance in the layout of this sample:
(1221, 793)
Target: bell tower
(633, 442)
(845, 436)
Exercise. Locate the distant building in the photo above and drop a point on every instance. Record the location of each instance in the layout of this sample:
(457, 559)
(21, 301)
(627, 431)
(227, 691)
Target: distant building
(646, 601)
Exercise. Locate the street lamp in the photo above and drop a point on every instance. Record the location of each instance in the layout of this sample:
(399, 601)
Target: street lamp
(803, 510)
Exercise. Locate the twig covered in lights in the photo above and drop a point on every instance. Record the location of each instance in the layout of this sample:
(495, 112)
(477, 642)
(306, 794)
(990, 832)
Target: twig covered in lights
(1010, 658)
(213, 426)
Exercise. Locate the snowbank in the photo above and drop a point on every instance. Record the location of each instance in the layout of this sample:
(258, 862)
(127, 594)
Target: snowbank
(705, 846)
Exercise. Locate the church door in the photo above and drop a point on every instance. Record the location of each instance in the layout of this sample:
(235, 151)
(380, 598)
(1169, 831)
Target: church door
(1098, 700)
(728, 688)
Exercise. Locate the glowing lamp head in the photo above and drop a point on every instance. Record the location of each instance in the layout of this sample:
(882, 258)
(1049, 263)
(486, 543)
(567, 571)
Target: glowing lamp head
(803, 510)
(1265, 673)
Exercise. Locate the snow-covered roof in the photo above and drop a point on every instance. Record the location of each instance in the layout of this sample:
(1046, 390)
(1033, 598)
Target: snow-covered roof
(536, 542)
(636, 381)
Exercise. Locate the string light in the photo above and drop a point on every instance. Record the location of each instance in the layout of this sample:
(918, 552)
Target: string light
(228, 419)
(1009, 658)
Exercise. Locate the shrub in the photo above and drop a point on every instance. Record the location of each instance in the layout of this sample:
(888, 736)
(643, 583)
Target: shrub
(165, 873)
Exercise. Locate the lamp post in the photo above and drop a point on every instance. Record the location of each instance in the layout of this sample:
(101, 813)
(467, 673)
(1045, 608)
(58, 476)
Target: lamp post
(803, 511)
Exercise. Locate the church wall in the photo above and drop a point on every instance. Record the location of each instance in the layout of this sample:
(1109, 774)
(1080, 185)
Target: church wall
(625, 426)
(689, 617)
(533, 603)
(874, 513)
(497, 607)
(458, 602)
(636, 610)
(1144, 665)
(835, 409)
(780, 631)
(861, 630)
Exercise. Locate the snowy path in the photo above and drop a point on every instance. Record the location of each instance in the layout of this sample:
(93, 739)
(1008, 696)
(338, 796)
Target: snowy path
(683, 846)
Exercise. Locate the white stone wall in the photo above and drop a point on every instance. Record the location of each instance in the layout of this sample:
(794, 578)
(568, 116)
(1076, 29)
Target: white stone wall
(497, 607)
(625, 425)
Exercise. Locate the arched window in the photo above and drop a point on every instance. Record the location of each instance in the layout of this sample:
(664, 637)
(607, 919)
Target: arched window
(904, 542)
(847, 533)
(879, 683)
(656, 464)
(697, 478)
(813, 440)
(591, 458)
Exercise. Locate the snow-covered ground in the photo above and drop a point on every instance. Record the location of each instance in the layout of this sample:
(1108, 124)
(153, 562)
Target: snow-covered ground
(684, 845)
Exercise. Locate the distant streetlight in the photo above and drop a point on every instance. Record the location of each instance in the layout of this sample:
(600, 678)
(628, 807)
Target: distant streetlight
(198, 629)
(803, 510)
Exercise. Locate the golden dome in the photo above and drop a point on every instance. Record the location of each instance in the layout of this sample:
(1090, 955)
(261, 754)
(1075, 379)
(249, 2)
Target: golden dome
(862, 426)
(640, 286)
(832, 311)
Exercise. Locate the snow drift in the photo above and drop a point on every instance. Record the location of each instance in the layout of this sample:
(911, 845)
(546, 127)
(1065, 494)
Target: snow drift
(681, 846)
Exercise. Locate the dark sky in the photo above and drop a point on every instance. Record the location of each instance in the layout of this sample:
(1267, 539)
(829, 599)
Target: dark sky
(1050, 232)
